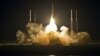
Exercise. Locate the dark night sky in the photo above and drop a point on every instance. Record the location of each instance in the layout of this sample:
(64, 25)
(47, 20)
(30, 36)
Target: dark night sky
(14, 15)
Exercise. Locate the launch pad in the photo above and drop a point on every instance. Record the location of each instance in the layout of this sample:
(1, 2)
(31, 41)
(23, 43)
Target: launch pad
(49, 35)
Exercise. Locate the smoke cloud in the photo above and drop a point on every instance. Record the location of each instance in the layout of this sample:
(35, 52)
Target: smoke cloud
(36, 34)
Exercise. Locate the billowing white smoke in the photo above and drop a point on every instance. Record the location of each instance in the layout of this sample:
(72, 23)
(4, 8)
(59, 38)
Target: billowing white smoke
(36, 34)
(65, 37)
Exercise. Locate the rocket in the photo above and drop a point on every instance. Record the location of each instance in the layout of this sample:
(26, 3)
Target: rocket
(52, 10)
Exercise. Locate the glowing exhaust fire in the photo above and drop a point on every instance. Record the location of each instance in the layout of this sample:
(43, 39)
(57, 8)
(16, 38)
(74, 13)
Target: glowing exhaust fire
(52, 26)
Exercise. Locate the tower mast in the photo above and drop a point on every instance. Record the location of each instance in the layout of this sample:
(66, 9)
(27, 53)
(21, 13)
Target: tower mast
(76, 22)
(71, 25)
(34, 16)
(30, 16)
(71, 21)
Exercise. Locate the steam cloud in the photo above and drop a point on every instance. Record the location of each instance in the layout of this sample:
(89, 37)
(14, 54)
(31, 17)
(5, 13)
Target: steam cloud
(36, 34)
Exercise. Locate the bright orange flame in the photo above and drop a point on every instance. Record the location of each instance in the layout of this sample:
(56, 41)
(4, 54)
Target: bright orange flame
(52, 26)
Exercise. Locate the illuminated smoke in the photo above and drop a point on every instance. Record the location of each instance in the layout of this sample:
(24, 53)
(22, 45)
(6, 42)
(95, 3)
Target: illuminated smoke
(49, 35)
(21, 37)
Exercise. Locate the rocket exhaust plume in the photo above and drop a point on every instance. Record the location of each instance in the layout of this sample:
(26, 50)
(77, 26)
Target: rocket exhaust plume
(48, 35)
(52, 26)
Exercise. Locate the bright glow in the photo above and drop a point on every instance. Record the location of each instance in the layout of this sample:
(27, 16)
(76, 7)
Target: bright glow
(52, 26)
(52, 55)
